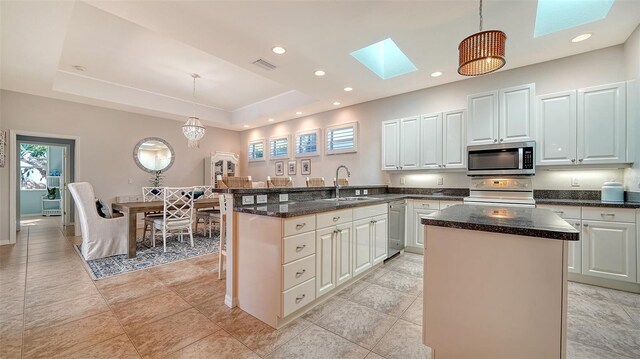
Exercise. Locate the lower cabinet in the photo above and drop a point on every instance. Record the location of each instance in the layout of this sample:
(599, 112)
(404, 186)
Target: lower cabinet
(575, 249)
(362, 254)
(418, 229)
(609, 250)
(379, 245)
(344, 254)
(325, 260)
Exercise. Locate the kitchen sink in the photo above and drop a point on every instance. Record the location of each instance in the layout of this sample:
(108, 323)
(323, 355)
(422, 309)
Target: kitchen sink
(346, 199)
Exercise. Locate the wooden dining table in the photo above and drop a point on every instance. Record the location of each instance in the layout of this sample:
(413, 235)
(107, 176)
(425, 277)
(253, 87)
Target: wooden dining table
(131, 210)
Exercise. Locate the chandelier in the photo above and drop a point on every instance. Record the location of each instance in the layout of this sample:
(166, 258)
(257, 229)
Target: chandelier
(193, 129)
(482, 52)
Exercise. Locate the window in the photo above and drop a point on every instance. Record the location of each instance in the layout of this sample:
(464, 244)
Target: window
(33, 166)
(279, 147)
(307, 143)
(342, 138)
(256, 150)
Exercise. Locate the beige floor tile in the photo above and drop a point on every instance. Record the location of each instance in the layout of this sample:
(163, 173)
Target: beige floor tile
(401, 282)
(10, 336)
(178, 273)
(64, 339)
(37, 284)
(413, 314)
(208, 262)
(373, 355)
(132, 290)
(634, 313)
(319, 311)
(215, 309)
(53, 257)
(581, 351)
(385, 300)
(357, 323)
(372, 275)
(65, 311)
(403, 341)
(132, 314)
(11, 307)
(172, 333)
(59, 293)
(119, 347)
(353, 289)
(406, 266)
(37, 270)
(219, 345)
(201, 288)
(318, 343)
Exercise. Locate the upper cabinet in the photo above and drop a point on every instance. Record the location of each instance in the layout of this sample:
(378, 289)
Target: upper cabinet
(400, 141)
(453, 148)
(501, 116)
(586, 126)
(391, 145)
(431, 141)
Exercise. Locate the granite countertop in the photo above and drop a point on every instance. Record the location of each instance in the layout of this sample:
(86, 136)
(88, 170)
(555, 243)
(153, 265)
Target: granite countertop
(293, 209)
(530, 222)
(587, 203)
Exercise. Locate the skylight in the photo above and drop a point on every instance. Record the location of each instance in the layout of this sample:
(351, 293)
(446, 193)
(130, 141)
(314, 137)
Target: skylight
(558, 15)
(385, 59)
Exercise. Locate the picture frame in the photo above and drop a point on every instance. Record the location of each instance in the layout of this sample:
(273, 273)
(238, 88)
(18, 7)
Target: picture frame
(305, 166)
(292, 167)
(279, 168)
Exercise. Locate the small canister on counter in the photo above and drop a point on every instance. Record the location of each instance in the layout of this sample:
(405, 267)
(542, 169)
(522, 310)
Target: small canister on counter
(612, 192)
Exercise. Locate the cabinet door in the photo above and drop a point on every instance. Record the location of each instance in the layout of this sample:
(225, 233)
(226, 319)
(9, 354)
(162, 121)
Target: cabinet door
(390, 145)
(325, 260)
(483, 118)
(516, 114)
(362, 246)
(379, 241)
(602, 124)
(409, 143)
(575, 249)
(431, 141)
(454, 149)
(418, 228)
(557, 129)
(344, 255)
(609, 250)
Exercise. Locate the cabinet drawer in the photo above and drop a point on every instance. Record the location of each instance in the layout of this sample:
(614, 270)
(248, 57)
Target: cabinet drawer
(609, 214)
(296, 247)
(333, 218)
(369, 211)
(299, 271)
(298, 296)
(300, 224)
(424, 204)
(447, 204)
(563, 211)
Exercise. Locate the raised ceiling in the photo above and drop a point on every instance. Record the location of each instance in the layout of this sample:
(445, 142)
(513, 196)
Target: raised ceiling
(139, 55)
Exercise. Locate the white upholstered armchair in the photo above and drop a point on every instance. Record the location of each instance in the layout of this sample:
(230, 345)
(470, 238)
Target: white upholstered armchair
(101, 237)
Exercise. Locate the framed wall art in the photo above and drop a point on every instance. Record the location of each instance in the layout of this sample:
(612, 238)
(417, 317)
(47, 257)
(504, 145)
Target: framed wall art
(305, 166)
(279, 168)
(292, 167)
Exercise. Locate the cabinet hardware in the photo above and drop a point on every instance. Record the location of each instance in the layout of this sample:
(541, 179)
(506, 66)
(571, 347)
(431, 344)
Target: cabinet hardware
(578, 224)
(298, 274)
(299, 226)
(608, 214)
(586, 224)
(298, 299)
(495, 140)
(573, 160)
(439, 165)
(299, 248)
(559, 212)
(444, 165)
(501, 140)
(426, 205)
(580, 160)
(336, 218)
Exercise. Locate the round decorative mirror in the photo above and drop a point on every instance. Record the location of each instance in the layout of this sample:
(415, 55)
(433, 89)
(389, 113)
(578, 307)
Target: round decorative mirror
(153, 154)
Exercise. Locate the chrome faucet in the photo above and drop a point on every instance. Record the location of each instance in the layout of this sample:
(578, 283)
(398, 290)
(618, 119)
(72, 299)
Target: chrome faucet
(338, 178)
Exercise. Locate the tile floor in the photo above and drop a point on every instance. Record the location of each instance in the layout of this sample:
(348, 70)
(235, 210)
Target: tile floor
(49, 307)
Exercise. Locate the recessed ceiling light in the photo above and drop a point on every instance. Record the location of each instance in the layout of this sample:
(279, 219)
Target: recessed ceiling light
(79, 68)
(246, 126)
(298, 113)
(319, 73)
(348, 89)
(270, 120)
(581, 37)
(279, 50)
(336, 103)
(436, 74)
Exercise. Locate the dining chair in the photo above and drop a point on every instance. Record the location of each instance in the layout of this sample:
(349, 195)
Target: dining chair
(341, 182)
(279, 182)
(315, 182)
(211, 215)
(101, 237)
(222, 252)
(177, 214)
(151, 194)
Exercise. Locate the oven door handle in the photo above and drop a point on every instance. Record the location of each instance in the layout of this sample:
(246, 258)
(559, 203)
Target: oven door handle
(520, 156)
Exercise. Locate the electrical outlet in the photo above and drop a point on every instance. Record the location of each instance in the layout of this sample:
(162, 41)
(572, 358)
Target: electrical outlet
(440, 181)
(402, 180)
(284, 207)
(357, 192)
(247, 199)
(575, 182)
(284, 197)
(261, 198)
(365, 192)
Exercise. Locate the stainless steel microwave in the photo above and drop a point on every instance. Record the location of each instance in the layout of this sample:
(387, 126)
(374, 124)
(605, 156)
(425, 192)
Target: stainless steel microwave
(502, 159)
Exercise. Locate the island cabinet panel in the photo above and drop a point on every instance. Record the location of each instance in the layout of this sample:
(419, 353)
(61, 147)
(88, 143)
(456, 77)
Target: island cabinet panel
(609, 250)
(326, 260)
(573, 216)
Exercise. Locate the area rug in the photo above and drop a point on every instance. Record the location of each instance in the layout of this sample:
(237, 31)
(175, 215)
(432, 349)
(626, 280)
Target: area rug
(147, 256)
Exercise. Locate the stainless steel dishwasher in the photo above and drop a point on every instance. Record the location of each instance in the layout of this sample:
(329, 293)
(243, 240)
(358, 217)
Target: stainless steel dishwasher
(397, 211)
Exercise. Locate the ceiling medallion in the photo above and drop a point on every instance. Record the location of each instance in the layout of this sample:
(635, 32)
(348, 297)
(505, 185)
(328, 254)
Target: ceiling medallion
(482, 52)
(193, 129)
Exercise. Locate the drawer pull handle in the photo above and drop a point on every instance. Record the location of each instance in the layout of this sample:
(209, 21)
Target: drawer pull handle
(559, 212)
(298, 299)
(298, 274)
(336, 218)
(608, 214)
(299, 226)
(299, 248)
(586, 224)
(426, 205)
(578, 224)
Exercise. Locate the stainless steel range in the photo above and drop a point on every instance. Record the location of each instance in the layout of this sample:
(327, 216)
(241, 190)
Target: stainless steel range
(501, 191)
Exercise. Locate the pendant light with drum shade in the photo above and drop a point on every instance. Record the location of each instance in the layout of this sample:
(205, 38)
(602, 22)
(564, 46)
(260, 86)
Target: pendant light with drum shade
(482, 52)
(193, 129)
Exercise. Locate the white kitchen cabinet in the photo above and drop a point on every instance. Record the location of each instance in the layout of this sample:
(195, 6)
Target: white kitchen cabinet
(602, 124)
(453, 134)
(447, 204)
(431, 141)
(325, 260)
(409, 143)
(391, 145)
(557, 126)
(344, 253)
(379, 245)
(609, 250)
(418, 228)
(574, 257)
(362, 253)
(501, 116)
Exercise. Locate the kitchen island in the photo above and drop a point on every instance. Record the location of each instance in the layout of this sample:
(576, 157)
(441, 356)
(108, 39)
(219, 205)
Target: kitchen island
(495, 282)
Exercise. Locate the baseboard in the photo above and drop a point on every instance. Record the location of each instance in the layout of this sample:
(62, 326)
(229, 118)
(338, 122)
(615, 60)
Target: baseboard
(603, 282)
(416, 250)
(230, 302)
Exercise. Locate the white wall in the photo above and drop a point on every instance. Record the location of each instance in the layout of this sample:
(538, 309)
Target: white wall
(107, 138)
(632, 69)
(593, 68)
